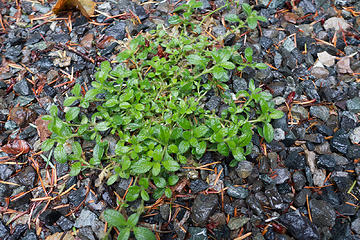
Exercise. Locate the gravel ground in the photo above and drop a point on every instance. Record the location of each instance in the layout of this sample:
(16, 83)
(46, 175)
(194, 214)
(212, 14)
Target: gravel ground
(303, 185)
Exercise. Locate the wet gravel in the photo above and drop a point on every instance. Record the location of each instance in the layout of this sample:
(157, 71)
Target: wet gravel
(306, 185)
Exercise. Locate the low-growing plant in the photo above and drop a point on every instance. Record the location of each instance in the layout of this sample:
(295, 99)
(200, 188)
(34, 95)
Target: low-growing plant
(152, 102)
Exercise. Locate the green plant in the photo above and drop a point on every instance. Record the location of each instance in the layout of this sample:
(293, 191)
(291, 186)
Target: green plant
(152, 103)
(252, 18)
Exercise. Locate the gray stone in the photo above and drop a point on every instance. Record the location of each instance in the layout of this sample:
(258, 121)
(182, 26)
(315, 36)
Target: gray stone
(322, 213)
(289, 44)
(279, 134)
(323, 148)
(202, 208)
(244, 169)
(86, 218)
(355, 225)
(320, 72)
(299, 180)
(237, 222)
(22, 87)
(6, 171)
(355, 136)
(299, 226)
(299, 112)
(281, 175)
(321, 112)
(237, 192)
(353, 105)
(197, 233)
(274, 4)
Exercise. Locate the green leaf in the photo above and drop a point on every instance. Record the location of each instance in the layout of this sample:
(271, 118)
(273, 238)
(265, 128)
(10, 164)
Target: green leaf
(144, 182)
(268, 132)
(156, 168)
(184, 123)
(183, 146)
(141, 166)
(47, 145)
(75, 169)
(105, 66)
(53, 110)
(171, 165)
(124, 55)
(133, 219)
(175, 19)
(176, 133)
(142, 233)
(238, 154)
(91, 94)
(158, 193)
(220, 73)
(144, 195)
(133, 193)
(232, 18)
(261, 66)
(252, 22)
(168, 192)
(173, 179)
(200, 148)
(72, 113)
(69, 100)
(193, 142)
(47, 118)
(172, 148)
(223, 149)
(164, 134)
(228, 65)
(111, 102)
(276, 114)
(262, 18)
(248, 54)
(98, 153)
(159, 182)
(60, 154)
(112, 179)
(102, 126)
(114, 218)
(247, 8)
(195, 59)
(76, 90)
(251, 85)
(200, 131)
(124, 234)
(76, 148)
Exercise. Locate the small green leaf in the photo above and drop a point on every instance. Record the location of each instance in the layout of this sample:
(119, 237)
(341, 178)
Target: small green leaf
(159, 182)
(144, 195)
(75, 169)
(76, 90)
(72, 113)
(220, 73)
(114, 218)
(133, 193)
(144, 182)
(76, 148)
(195, 59)
(223, 149)
(238, 154)
(247, 8)
(252, 22)
(261, 66)
(183, 146)
(69, 100)
(171, 165)
(232, 18)
(102, 126)
(276, 114)
(168, 192)
(141, 166)
(175, 19)
(133, 219)
(156, 168)
(98, 153)
(262, 18)
(268, 132)
(172, 148)
(184, 123)
(111, 102)
(173, 179)
(142, 233)
(112, 179)
(248, 54)
(60, 154)
(91, 94)
(176, 133)
(124, 55)
(124, 234)
(47, 145)
(228, 65)
(158, 193)
(200, 148)
(200, 131)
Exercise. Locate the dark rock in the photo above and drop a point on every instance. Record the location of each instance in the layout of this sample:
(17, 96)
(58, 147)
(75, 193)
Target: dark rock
(229, 40)
(64, 223)
(326, 161)
(341, 230)
(237, 222)
(202, 208)
(30, 235)
(265, 42)
(213, 103)
(13, 53)
(299, 226)
(86, 233)
(300, 198)
(117, 30)
(274, 198)
(340, 141)
(198, 185)
(307, 6)
(50, 91)
(314, 138)
(355, 226)
(5, 192)
(17, 232)
(244, 169)
(348, 120)
(28, 132)
(4, 231)
(239, 84)
(353, 105)
(77, 196)
(6, 171)
(281, 175)
(26, 177)
(325, 130)
(277, 88)
(353, 152)
(22, 87)
(321, 112)
(322, 213)
(229, 209)
(342, 180)
(254, 205)
(295, 161)
(310, 90)
(197, 233)
(61, 38)
(51, 217)
(237, 192)
(299, 180)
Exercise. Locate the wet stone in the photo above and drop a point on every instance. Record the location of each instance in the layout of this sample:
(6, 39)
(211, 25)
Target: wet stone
(355, 136)
(353, 152)
(4, 231)
(274, 198)
(22, 87)
(237, 192)
(355, 226)
(299, 226)
(342, 180)
(5, 171)
(300, 198)
(198, 185)
(320, 72)
(29, 235)
(325, 130)
(17, 232)
(353, 105)
(244, 169)
(299, 180)
(64, 223)
(323, 214)
(327, 162)
(26, 177)
(321, 112)
(50, 91)
(86, 218)
(86, 233)
(77, 196)
(342, 230)
(117, 30)
(282, 175)
(340, 141)
(299, 112)
(295, 161)
(13, 53)
(22, 116)
(237, 222)
(213, 103)
(348, 120)
(203, 207)
(266, 42)
(197, 233)
(314, 138)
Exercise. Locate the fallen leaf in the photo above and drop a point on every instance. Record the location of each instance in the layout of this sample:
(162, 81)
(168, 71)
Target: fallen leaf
(42, 127)
(22, 116)
(343, 66)
(16, 147)
(336, 23)
(86, 7)
(326, 59)
(291, 17)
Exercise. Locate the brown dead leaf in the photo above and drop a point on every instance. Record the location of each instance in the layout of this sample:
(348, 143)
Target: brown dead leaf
(86, 7)
(42, 127)
(291, 17)
(16, 147)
